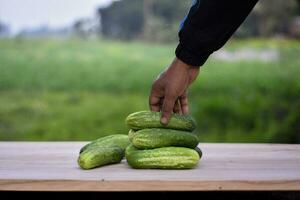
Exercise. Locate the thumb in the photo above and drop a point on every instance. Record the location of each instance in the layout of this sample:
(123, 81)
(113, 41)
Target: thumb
(167, 109)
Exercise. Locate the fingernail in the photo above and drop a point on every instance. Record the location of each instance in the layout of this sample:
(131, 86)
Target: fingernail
(163, 120)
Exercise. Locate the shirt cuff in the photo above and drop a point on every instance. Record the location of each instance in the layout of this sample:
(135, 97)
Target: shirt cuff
(190, 58)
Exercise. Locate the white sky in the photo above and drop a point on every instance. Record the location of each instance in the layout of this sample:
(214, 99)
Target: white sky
(19, 14)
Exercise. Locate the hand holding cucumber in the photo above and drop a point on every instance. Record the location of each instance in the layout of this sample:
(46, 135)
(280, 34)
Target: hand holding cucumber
(169, 90)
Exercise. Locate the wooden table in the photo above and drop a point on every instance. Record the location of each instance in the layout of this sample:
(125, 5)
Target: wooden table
(52, 166)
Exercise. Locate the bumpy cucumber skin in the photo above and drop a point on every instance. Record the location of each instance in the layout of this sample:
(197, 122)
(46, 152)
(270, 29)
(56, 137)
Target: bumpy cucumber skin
(117, 140)
(149, 119)
(162, 158)
(156, 138)
(199, 151)
(131, 134)
(96, 157)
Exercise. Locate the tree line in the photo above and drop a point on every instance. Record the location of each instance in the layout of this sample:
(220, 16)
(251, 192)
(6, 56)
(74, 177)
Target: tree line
(159, 20)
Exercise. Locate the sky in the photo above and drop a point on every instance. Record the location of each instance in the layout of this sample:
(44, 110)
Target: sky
(20, 14)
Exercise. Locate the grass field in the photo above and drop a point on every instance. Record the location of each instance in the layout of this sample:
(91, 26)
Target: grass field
(83, 89)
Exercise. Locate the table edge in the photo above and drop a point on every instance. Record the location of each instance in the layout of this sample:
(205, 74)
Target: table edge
(75, 185)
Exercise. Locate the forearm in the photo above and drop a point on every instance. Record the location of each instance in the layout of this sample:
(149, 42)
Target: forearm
(208, 26)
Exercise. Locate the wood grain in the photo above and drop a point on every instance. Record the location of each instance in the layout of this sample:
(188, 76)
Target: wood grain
(52, 166)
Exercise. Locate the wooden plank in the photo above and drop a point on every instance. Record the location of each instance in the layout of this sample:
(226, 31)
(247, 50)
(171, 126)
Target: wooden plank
(52, 166)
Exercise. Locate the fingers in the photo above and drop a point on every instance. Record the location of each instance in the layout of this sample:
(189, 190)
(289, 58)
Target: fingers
(167, 108)
(154, 103)
(184, 103)
(177, 107)
(168, 105)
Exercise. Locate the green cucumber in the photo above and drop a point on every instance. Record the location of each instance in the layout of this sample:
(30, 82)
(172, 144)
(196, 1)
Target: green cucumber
(99, 156)
(131, 134)
(156, 138)
(149, 119)
(162, 158)
(117, 140)
(199, 151)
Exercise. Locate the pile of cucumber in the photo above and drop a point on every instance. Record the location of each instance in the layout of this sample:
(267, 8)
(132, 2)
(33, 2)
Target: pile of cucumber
(148, 145)
(156, 146)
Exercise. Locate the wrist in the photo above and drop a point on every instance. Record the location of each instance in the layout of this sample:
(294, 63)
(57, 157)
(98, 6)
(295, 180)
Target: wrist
(180, 68)
(185, 65)
(192, 71)
(182, 64)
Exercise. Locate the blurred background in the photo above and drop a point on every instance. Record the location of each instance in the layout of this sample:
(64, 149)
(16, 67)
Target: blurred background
(74, 69)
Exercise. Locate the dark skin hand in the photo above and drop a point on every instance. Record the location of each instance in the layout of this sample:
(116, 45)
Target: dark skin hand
(169, 90)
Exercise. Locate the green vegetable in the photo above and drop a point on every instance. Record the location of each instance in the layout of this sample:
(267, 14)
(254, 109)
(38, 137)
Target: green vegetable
(96, 157)
(162, 158)
(149, 119)
(117, 140)
(156, 138)
(199, 151)
(131, 134)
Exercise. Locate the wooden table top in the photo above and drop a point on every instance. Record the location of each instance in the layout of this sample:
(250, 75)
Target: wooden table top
(52, 166)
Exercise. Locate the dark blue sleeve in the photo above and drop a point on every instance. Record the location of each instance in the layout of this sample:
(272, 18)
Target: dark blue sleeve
(208, 26)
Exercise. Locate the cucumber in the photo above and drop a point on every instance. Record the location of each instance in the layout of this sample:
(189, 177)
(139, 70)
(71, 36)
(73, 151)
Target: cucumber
(117, 140)
(103, 151)
(156, 138)
(199, 151)
(149, 119)
(99, 156)
(131, 134)
(162, 158)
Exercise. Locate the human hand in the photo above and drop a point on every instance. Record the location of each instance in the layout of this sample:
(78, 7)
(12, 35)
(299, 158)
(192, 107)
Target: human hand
(169, 90)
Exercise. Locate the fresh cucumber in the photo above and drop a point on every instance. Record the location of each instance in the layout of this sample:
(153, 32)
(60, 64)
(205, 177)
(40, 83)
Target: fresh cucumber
(199, 151)
(117, 140)
(149, 119)
(96, 157)
(156, 138)
(162, 158)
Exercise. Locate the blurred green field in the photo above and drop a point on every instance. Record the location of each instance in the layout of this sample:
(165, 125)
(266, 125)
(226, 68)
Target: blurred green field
(53, 89)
